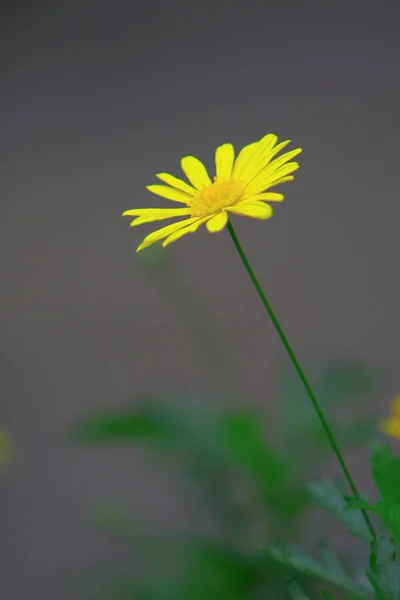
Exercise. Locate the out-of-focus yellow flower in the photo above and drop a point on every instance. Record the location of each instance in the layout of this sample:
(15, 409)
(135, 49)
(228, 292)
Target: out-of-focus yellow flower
(391, 424)
(6, 447)
(239, 187)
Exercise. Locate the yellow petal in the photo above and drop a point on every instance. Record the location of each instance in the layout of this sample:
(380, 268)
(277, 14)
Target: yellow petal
(191, 229)
(196, 172)
(278, 148)
(224, 158)
(170, 193)
(396, 406)
(252, 162)
(179, 184)
(148, 215)
(391, 426)
(156, 212)
(278, 162)
(217, 222)
(267, 179)
(265, 158)
(158, 235)
(283, 180)
(243, 157)
(255, 210)
(270, 196)
(257, 159)
(282, 171)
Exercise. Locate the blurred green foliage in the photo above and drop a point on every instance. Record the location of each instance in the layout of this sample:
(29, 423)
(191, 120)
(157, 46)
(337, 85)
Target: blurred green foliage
(222, 453)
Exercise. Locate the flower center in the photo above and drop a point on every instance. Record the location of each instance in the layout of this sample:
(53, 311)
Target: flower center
(213, 198)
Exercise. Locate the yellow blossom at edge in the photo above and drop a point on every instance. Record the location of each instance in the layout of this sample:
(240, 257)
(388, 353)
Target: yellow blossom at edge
(391, 425)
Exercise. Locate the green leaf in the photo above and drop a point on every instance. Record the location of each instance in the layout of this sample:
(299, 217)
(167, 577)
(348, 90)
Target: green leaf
(331, 498)
(333, 384)
(386, 472)
(327, 596)
(242, 435)
(356, 504)
(201, 569)
(172, 424)
(146, 422)
(384, 574)
(296, 592)
(294, 557)
(332, 562)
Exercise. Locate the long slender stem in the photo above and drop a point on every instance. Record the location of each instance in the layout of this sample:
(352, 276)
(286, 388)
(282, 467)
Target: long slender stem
(300, 372)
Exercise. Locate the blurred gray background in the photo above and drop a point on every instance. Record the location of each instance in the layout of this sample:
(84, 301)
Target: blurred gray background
(96, 98)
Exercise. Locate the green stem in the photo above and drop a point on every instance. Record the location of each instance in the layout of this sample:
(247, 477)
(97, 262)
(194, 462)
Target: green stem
(300, 372)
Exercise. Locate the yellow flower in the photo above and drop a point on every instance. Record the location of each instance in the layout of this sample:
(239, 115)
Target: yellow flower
(391, 424)
(239, 186)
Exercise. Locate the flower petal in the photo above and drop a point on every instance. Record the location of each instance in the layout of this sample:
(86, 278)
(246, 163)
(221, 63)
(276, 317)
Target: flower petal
(170, 193)
(391, 426)
(278, 162)
(217, 222)
(265, 165)
(196, 172)
(179, 184)
(255, 159)
(224, 158)
(269, 196)
(148, 215)
(283, 180)
(259, 159)
(158, 235)
(243, 157)
(267, 179)
(255, 210)
(191, 229)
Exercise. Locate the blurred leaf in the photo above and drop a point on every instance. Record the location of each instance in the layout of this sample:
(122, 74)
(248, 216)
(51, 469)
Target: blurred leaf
(212, 447)
(332, 562)
(276, 483)
(385, 470)
(201, 569)
(356, 504)
(293, 556)
(333, 384)
(331, 498)
(147, 423)
(384, 574)
(242, 434)
(172, 424)
(296, 592)
(154, 257)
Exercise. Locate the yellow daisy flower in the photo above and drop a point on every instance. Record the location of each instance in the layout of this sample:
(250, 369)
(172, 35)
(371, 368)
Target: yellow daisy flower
(239, 187)
(391, 424)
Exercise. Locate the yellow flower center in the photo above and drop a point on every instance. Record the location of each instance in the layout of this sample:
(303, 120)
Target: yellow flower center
(213, 198)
